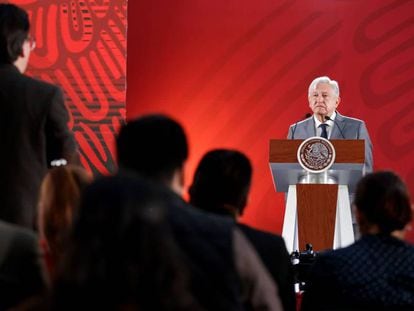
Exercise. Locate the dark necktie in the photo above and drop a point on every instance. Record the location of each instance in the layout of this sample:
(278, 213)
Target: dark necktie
(324, 133)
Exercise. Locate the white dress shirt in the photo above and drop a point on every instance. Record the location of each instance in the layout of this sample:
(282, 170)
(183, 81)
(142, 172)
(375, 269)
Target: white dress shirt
(329, 128)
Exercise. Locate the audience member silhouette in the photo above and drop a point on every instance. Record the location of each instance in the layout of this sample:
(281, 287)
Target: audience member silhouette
(377, 271)
(58, 203)
(121, 255)
(21, 275)
(225, 270)
(221, 185)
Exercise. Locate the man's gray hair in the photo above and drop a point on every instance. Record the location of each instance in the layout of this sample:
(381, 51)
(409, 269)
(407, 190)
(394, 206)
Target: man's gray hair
(325, 79)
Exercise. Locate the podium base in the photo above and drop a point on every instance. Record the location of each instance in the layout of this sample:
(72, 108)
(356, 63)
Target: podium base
(311, 221)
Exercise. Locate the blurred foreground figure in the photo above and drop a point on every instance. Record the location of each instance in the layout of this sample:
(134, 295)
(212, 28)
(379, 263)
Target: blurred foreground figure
(377, 271)
(121, 255)
(58, 204)
(221, 185)
(225, 271)
(21, 274)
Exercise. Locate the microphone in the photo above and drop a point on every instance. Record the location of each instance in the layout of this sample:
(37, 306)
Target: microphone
(329, 119)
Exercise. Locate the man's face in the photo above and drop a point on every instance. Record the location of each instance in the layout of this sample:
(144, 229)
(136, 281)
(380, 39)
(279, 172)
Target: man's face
(323, 100)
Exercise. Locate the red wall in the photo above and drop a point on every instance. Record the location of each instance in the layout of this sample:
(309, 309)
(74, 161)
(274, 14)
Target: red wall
(236, 72)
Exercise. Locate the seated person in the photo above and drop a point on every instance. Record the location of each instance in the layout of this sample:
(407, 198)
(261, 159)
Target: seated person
(58, 203)
(225, 270)
(21, 276)
(221, 185)
(122, 254)
(377, 271)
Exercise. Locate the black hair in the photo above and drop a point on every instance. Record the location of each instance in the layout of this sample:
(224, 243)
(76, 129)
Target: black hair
(14, 30)
(153, 146)
(383, 199)
(222, 178)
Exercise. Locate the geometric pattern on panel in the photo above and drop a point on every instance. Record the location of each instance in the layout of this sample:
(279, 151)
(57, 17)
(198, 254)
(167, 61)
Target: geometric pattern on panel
(81, 46)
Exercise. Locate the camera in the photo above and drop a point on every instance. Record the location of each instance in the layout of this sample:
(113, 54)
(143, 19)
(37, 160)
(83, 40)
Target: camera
(302, 263)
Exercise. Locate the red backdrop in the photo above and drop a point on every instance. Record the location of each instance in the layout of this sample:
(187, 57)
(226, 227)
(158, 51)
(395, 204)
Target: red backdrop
(236, 72)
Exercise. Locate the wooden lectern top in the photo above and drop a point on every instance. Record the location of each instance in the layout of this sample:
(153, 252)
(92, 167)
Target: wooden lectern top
(346, 170)
(347, 150)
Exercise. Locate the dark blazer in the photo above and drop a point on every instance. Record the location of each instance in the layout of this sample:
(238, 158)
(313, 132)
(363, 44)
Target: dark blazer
(272, 250)
(207, 249)
(33, 130)
(20, 269)
(344, 128)
(374, 273)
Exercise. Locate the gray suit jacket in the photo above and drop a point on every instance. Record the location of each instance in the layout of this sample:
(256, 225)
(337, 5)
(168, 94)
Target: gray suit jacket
(350, 128)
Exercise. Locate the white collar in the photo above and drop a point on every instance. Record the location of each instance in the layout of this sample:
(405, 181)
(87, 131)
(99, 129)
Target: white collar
(329, 122)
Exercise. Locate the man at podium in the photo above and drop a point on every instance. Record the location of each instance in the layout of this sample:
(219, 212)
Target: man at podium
(327, 122)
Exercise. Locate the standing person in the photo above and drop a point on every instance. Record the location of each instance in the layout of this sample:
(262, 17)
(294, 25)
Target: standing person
(33, 122)
(377, 271)
(225, 270)
(327, 122)
(221, 185)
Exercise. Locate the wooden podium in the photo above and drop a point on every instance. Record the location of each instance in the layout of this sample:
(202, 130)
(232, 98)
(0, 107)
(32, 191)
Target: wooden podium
(318, 208)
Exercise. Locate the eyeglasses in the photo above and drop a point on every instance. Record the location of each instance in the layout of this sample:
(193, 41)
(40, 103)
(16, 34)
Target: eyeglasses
(32, 42)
